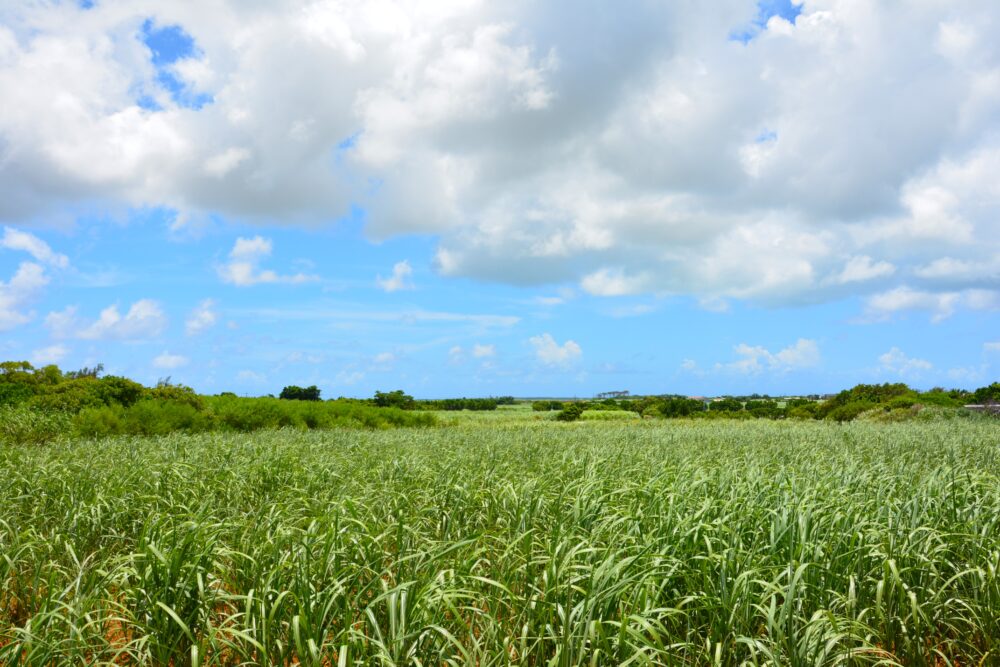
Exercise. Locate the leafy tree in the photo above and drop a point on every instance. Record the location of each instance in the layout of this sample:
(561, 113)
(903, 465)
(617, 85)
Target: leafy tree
(86, 372)
(679, 406)
(394, 399)
(570, 413)
(113, 389)
(295, 393)
(990, 394)
(726, 405)
(765, 409)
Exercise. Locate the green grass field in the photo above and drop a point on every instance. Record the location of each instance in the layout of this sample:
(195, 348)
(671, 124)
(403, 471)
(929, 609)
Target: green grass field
(492, 541)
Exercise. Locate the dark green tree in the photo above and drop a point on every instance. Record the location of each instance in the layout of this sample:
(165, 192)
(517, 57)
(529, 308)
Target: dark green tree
(296, 393)
(394, 399)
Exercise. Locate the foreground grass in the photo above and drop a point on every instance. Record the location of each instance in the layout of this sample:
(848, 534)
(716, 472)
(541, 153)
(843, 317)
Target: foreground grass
(492, 544)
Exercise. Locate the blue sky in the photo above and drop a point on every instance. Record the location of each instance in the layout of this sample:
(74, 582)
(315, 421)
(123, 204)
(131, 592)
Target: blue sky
(464, 201)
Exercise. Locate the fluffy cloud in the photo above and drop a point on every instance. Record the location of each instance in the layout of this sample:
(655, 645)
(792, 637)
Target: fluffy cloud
(145, 319)
(17, 292)
(862, 268)
(251, 376)
(458, 355)
(27, 282)
(243, 268)
(941, 305)
(15, 239)
(992, 346)
(551, 353)
(399, 280)
(52, 354)
(897, 362)
(754, 359)
(167, 361)
(201, 318)
(853, 151)
(480, 351)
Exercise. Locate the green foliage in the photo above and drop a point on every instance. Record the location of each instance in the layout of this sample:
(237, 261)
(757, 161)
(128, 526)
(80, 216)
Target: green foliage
(725, 405)
(14, 393)
(989, 394)
(871, 393)
(453, 404)
(115, 390)
(570, 413)
(294, 393)
(23, 426)
(849, 411)
(803, 409)
(546, 406)
(72, 396)
(678, 406)
(493, 544)
(394, 399)
(765, 409)
(99, 422)
(177, 393)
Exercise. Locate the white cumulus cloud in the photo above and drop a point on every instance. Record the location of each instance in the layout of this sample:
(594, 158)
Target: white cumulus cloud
(15, 239)
(144, 319)
(480, 351)
(848, 151)
(168, 361)
(52, 354)
(551, 353)
(755, 358)
(940, 304)
(202, 318)
(16, 293)
(399, 280)
(243, 268)
(897, 362)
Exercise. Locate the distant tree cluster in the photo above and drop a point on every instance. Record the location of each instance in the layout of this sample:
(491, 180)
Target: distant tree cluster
(41, 404)
(394, 399)
(455, 404)
(294, 393)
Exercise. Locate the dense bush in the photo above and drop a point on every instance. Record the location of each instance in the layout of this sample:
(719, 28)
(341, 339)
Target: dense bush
(990, 394)
(725, 405)
(476, 404)
(546, 406)
(678, 406)
(394, 399)
(570, 413)
(23, 426)
(849, 411)
(294, 393)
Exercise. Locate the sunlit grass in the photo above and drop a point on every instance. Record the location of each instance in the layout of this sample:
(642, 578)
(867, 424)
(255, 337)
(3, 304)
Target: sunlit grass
(520, 542)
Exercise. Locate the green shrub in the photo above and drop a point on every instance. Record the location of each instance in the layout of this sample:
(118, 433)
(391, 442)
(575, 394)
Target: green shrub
(20, 426)
(71, 396)
(296, 393)
(845, 413)
(154, 417)
(725, 405)
(394, 399)
(806, 410)
(177, 393)
(125, 392)
(570, 413)
(99, 422)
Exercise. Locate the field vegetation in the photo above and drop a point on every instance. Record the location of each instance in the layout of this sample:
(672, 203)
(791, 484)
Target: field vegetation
(493, 542)
(40, 405)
